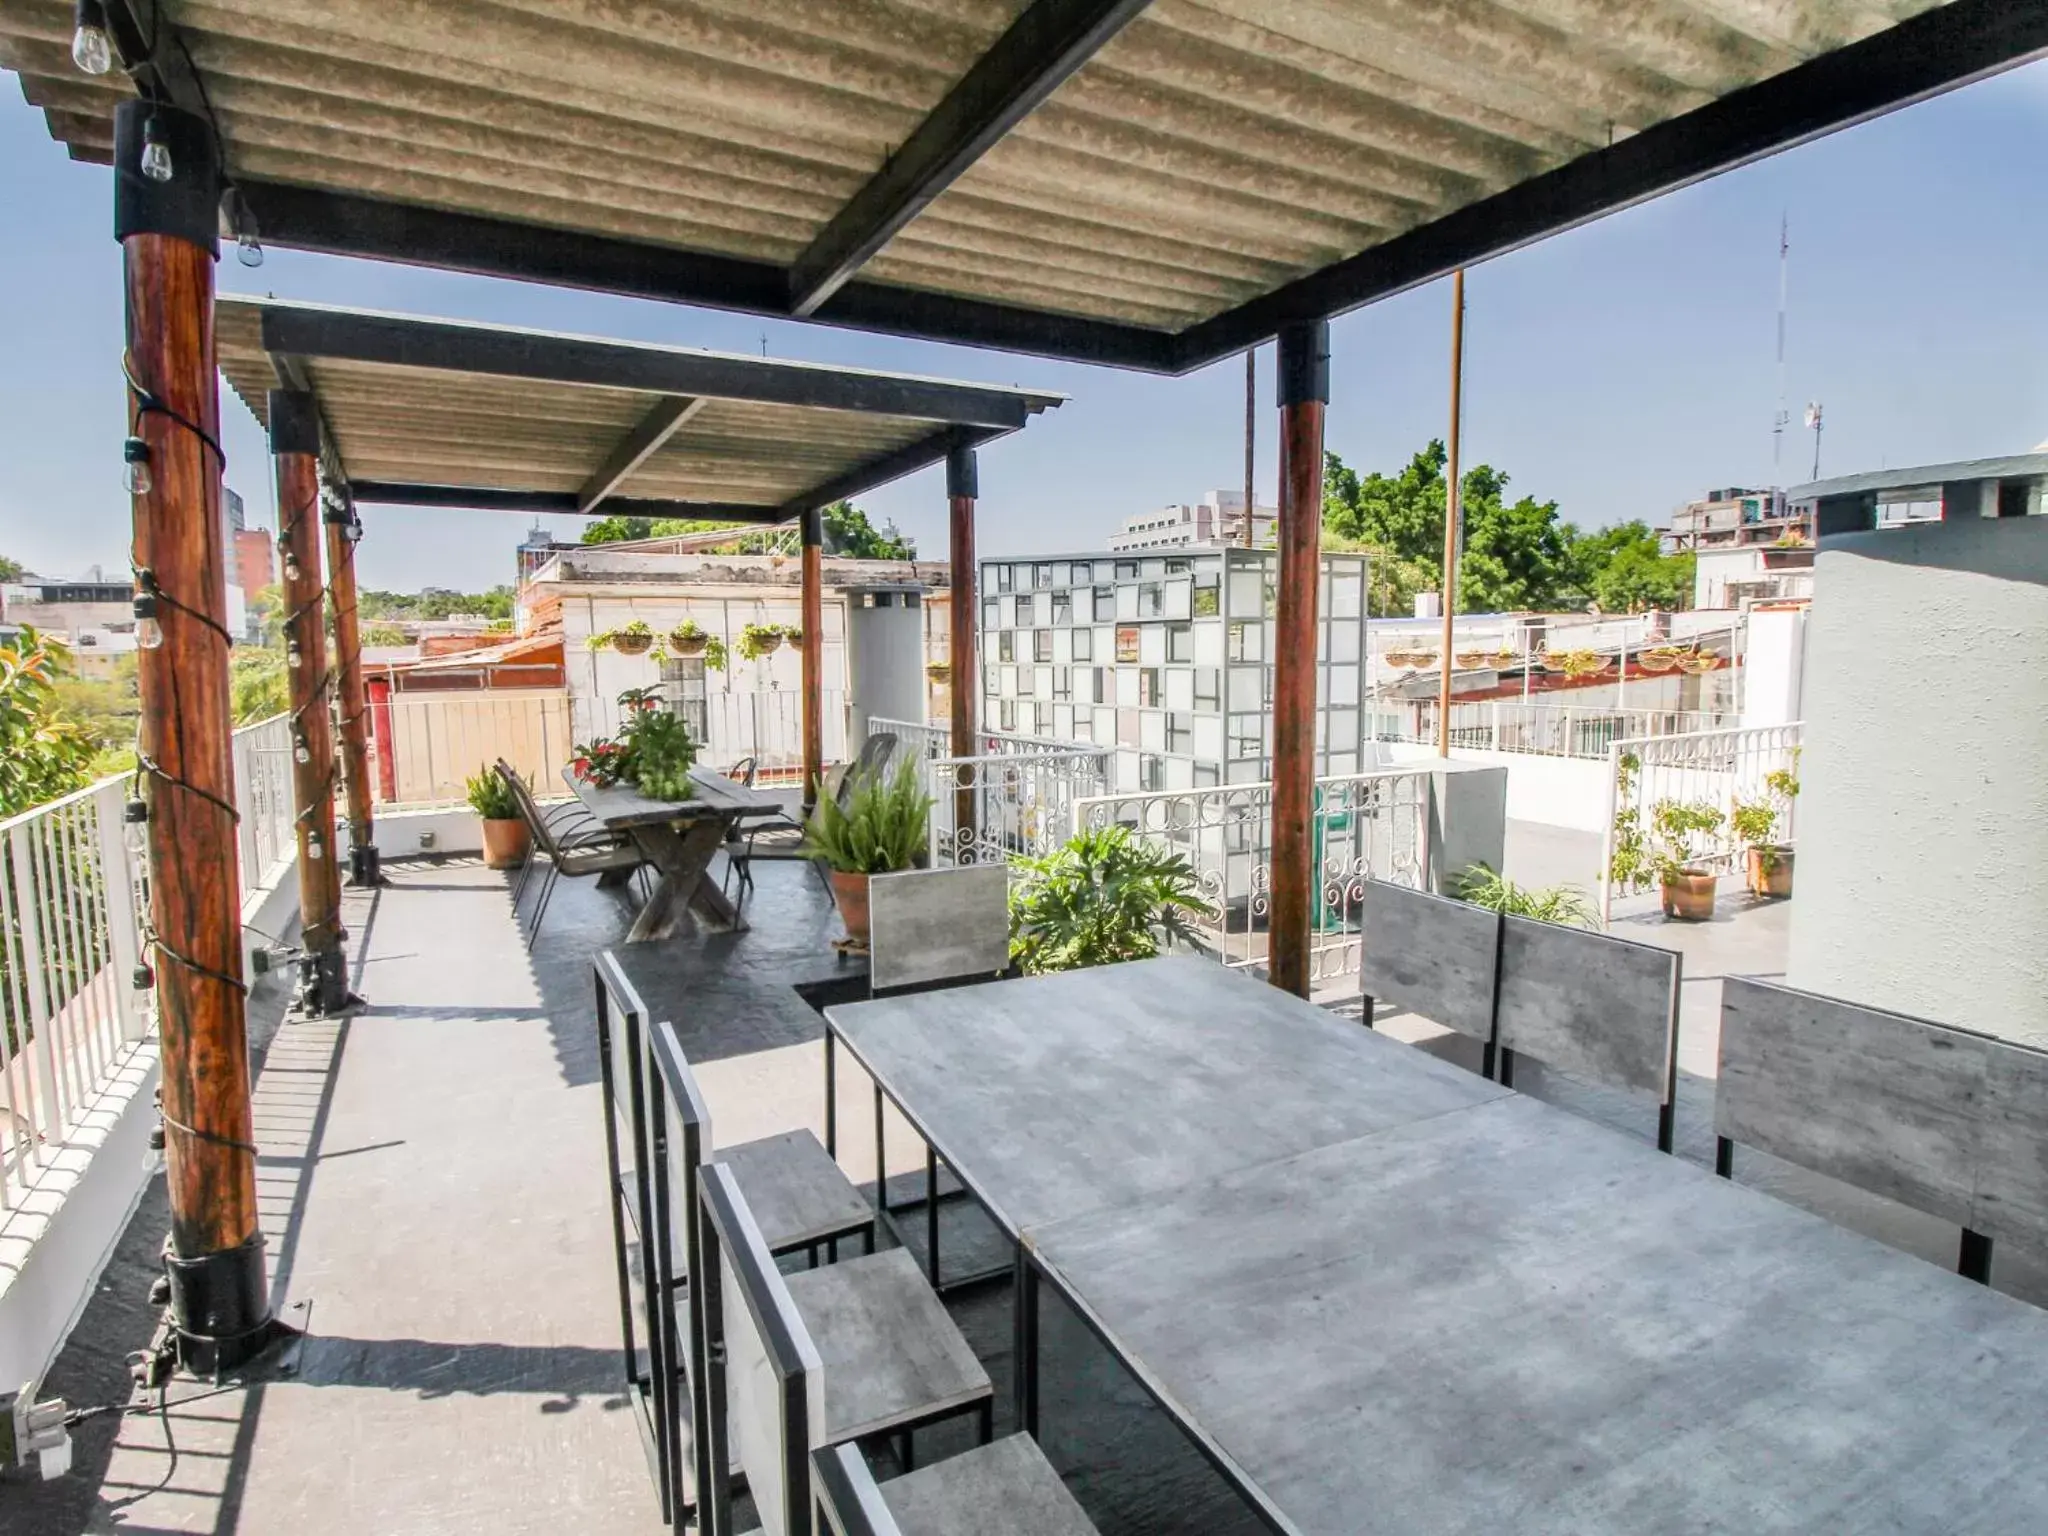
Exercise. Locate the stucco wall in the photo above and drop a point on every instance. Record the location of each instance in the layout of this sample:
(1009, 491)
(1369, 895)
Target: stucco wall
(1923, 821)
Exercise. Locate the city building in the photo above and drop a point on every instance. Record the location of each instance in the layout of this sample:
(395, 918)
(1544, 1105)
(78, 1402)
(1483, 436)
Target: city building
(2013, 486)
(254, 564)
(1216, 520)
(1742, 574)
(1167, 659)
(1735, 518)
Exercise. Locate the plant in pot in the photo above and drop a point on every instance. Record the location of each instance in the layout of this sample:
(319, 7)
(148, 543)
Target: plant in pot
(1659, 658)
(1470, 659)
(630, 639)
(688, 639)
(505, 834)
(1101, 897)
(882, 828)
(1564, 904)
(1768, 862)
(1698, 662)
(939, 672)
(759, 640)
(1684, 881)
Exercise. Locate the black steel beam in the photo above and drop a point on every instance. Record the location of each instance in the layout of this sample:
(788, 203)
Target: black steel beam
(406, 341)
(894, 465)
(488, 499)
(1042, 47)
(153, 55)
(636, 447)
(343, 224)
(1923, 56)
(291, 374)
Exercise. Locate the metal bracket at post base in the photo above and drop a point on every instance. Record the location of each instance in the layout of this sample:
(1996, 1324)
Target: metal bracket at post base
(220, 1310)
(364, 866)
(323, 983)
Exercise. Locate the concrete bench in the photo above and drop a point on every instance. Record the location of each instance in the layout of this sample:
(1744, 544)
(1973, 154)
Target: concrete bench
(1007, 1488)
(1948, 1121)
(824, 1357)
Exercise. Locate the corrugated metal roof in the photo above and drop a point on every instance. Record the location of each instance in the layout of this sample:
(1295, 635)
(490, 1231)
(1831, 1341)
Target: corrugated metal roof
(547, 428)
(1210, 152)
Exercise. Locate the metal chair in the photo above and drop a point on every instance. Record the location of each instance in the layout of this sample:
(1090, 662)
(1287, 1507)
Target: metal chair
(780, 837)
(570, 820)
(852, 1351)
(1006, 1488)
(579, 853)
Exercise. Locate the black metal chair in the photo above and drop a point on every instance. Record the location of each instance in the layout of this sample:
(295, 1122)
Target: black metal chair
(569, 820)
(1005, 1488)
(593, 851)
(777, 836)
(856, 1351)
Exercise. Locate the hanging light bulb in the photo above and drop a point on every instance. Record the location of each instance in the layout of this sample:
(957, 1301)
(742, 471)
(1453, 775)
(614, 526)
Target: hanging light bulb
(301, 753)
(144, 978)
(135, 825)
(149, 635)
(153, 1159)
(291, 568)
(316, 850)
(135, 456)
(293, 656)
(156, 154)
(90, 49)
(352, 530)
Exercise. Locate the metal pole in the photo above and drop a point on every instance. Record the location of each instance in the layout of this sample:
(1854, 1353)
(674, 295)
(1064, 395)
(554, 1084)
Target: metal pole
(1453, 497)
(813, 656)
(220, 1309)
(962, 487)
(1304, 390)
(1251, 405)
(295, 446)
(342, 531)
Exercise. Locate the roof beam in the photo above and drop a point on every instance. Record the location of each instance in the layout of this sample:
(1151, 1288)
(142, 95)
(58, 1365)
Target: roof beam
(154, 55)
(345, 224)
(637, 447)
(405, 341)
(486, 499)
(1042, 47)
(291, 374)
(1922, 56)
(893, 465)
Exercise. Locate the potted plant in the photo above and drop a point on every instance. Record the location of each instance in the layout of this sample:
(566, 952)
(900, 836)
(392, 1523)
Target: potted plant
(1768, 862)
(759, 640)
(1470, 659)
(505, 834)
(1564, 904)
(688, 639)
(1659, 658)
(940, 672)
(1580, 663)
(630, 639)
(1684, 882)
(882, 828)
(793, 637)
(1696, 662)
(1504, 657)
(1103, 896)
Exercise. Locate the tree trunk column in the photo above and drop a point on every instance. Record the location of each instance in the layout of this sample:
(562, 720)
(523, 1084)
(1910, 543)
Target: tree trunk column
(220, 1310)
(963, 485)
(343, 530)
(1304, 391)
(295, 445)
(813, 656)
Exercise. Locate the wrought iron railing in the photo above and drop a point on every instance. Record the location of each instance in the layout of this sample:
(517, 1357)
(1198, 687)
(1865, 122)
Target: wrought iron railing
(1557, 730)
(932, 742)
(1366, 825)
(988, 808)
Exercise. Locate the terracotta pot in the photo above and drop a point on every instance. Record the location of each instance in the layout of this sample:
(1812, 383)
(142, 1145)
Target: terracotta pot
(850, 890)
(678, 646)
(1689, 895)
(1770, 870)
(504, 843)
(632, 645)
(1650, 661)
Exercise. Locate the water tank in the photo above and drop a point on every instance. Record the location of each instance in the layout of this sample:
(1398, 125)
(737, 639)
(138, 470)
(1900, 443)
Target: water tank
(885, 655)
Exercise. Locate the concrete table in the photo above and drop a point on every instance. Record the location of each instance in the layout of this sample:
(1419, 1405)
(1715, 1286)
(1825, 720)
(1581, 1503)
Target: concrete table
(1381, 1298)
(679, 838)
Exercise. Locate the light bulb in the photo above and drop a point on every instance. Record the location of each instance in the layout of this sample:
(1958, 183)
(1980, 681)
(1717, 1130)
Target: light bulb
(135, 458)
(248, 249)
(301, 753)
(352, 530)
(144, 978)
(156, 154)
(153, 1158)
(135, 825)
(291, 567)
(149, 635)
(294, 657)
(90, 50)
(316, 850)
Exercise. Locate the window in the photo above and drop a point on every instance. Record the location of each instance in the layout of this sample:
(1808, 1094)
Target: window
(1151, 600)
(1151, 693)
(1180, 642)
(1041, 645)
(1084, 573)
(1151, 772)
(1177, 567)
(1063, 607)
(1180, 734)
(1062, 574)
(1041, 575)
(1205, 776)
(1027, 612)
(1084, 645)
(1245, 642)
(1127, 642)
(991, 613)
(1006, 646)
(1247, 736)
(1006, 714)
(1063, 683)
(1127, 570)
(1208, 688)
(1105, 604)
(1004, 578)
(1208, 594)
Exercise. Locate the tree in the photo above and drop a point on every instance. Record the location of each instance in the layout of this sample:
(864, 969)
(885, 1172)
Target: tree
(1516, 555)
(384, 635)
(847, 532)
(256, 683)
(43, 754)
(1636, 579)
(619, 530)
(11, 570)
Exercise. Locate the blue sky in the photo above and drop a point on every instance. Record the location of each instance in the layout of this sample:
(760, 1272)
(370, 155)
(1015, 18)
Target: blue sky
(1620, 369)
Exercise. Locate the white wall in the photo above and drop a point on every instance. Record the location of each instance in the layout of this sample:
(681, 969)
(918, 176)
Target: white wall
(1774, 666)
(1557, 791)
(1922, 882)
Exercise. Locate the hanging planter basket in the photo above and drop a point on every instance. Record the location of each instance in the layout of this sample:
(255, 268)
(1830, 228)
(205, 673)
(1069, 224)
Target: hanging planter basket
(940, 672)
(685, 645)
(1698, 662)
(1469, 659)
(1503, 658)
(1422, 661)
(1657, 661)
(635, 639)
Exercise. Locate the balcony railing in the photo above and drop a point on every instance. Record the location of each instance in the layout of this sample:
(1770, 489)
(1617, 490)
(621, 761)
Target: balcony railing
(1557, 730)
(1366, 825)
(932, 742)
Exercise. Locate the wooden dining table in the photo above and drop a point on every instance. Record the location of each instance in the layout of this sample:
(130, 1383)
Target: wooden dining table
(679, 838)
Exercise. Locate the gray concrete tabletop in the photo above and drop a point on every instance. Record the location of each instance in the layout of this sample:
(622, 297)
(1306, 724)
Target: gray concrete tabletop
(1507, 1318)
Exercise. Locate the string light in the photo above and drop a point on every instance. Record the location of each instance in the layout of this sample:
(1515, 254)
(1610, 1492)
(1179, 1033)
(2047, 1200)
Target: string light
(301, 753)
(135, 825)
(316, 848)
(90, 49)
(153, 1159)
(294, 658)
(156, 154)
(353, 530)
(135, 471)
(149, 634)
(144, 978)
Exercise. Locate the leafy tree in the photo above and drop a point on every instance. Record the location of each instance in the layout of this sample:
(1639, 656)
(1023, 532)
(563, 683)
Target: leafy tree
(11, 570)
(437, 603)
(1515, 555)
(384, 635)
(43, 754)
(256, 683)
(618, 530)
(1636, 579)
(847, 532)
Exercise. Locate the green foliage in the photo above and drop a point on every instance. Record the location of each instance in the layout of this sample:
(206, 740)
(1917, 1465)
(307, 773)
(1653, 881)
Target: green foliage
(384, 635)
(758, 640)
(1103, 897)
(618, 530)
(1629, 866)
(1548, 904)
(43, 754)
(653, 750)
(1624, 570)
(846, 528)
(257, 683)
(11, 570)
(631, 631)
(1681, 828)
(1753, 822)
(437, 603)
(848, 532)
(880, 829)
(105, 708)
(491, 797)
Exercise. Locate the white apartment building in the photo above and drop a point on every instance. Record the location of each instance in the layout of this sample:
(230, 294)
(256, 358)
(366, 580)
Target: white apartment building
(1216, 520)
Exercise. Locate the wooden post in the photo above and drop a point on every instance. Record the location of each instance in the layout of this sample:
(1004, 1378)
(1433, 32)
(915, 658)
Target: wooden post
(220, 1309)
(814, 656)
(343, 530)
(1453, 500)
(295, 445)
(1304, 391)
(962, 487)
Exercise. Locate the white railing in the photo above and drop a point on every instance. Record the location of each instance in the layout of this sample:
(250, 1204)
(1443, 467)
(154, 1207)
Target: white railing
(767, 724)
(264, 832)
(1718, 770)
(987, 808)
(426, 749)
(1557, 730)
(1367, 825)
(932, 742)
